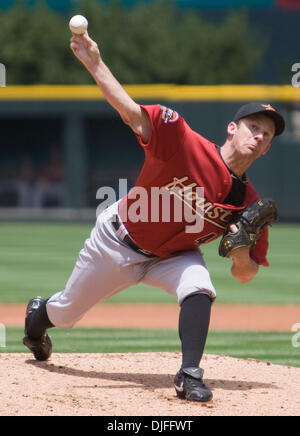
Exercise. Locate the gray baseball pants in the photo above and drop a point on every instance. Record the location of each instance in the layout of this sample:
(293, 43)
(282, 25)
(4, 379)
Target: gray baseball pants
(106, 266)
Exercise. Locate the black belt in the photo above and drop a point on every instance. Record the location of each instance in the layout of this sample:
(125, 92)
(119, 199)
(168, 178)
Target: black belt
(116, 222)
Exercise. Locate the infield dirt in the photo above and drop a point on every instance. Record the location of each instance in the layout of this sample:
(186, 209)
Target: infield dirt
(224, 317)
(142, 385)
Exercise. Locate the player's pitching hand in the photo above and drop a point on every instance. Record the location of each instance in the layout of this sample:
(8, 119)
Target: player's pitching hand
(86, 50)
(243, 269)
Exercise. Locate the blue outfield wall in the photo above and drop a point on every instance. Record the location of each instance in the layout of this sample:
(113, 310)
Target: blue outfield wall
(98, 149)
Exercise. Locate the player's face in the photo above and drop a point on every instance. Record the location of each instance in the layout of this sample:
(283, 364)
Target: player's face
(252, 135)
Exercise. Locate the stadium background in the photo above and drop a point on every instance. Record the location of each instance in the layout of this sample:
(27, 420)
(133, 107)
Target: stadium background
(60, 142)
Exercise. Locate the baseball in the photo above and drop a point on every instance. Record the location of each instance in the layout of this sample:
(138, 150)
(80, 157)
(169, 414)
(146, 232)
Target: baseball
(78, 24)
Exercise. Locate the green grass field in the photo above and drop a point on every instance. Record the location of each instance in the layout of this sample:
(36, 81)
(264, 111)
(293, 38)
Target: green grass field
(266, 346)
(37, 259)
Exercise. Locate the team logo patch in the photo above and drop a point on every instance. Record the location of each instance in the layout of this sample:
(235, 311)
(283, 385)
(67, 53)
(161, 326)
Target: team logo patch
(168, 115)
(268, 107)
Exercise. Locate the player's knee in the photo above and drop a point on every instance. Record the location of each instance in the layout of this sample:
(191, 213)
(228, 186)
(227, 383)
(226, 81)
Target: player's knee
(210, 293)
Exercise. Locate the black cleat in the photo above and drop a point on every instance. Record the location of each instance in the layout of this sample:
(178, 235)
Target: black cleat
(189, 385)
(41, 347)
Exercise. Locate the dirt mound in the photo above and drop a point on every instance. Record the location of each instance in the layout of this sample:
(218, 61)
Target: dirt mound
(142, 385)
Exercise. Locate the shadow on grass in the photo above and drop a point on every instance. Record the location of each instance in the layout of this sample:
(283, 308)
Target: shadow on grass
(146, 380)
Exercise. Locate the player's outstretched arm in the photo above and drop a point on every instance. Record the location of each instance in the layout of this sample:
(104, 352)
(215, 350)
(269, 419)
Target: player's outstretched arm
(87, 51)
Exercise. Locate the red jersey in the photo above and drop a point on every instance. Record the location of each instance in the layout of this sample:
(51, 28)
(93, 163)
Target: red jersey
(178, 157)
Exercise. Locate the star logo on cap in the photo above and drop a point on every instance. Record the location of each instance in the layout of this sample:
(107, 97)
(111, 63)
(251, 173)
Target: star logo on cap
(268, 107)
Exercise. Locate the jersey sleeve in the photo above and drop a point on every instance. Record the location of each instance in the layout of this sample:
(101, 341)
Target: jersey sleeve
(168, 129)
(259, 252)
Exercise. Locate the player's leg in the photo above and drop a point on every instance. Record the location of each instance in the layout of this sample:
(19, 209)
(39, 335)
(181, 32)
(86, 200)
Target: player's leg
(193, 327)
(186, 276)
(96, 276)
(93, 279)
(104, 267)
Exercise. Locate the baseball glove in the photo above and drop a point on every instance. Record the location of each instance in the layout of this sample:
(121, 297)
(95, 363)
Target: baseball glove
(249, 222)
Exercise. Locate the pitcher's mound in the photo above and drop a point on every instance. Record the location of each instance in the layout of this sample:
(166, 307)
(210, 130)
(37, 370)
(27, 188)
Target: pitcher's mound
(142, 384)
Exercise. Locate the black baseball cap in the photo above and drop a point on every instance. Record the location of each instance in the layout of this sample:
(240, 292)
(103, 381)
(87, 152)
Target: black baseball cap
(265, 109)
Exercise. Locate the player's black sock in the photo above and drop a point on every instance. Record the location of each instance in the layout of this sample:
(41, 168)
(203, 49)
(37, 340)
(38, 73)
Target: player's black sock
(193, 328)
(38, 322)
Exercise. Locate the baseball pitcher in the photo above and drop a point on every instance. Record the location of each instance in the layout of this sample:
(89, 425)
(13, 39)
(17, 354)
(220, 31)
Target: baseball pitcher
(139, 240)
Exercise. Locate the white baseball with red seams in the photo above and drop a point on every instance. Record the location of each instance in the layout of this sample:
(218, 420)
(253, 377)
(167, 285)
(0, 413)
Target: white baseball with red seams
(78, 24)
